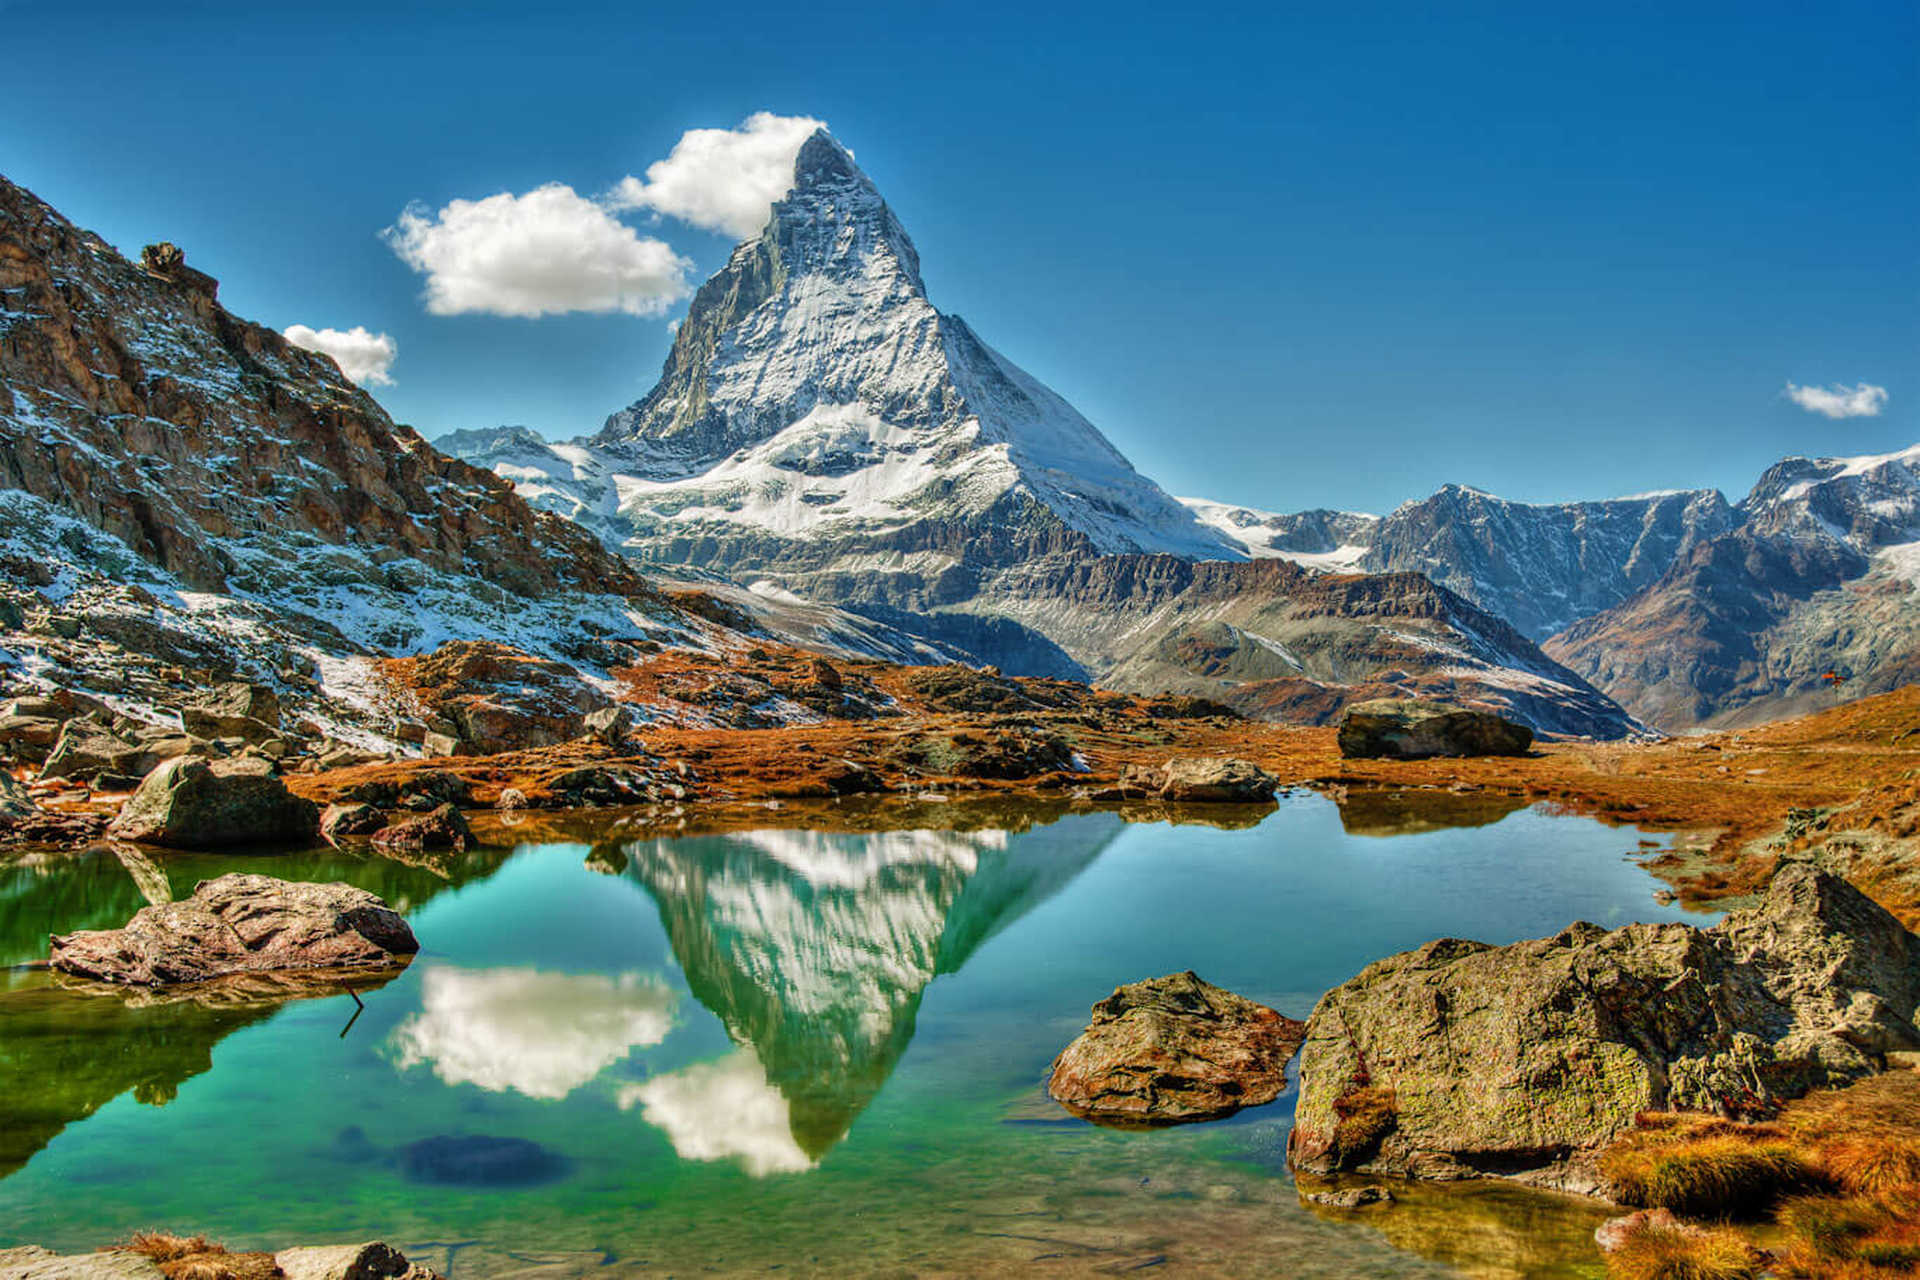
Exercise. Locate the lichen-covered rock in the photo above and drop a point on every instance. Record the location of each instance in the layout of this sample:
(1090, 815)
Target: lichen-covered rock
(241, 924)
(1215, 778)
(1404, 729)
(1459, 1059)
(15, 804)
(191, 803)
(1173, 1050)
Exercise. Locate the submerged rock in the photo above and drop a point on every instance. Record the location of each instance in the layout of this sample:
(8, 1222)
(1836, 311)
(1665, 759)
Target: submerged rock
(1403, 729)
(1349, 1197)
(1173, 1050)
(476, 1160)
(190, 803)
(242, 924)
(1461, 1059)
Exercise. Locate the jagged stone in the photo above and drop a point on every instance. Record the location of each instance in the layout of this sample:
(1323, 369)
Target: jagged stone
(1403, 729)
(1462, 1059)
(442, 828)
(233, 710)
(86, 748)
(191, 803)
(1172, 1050)
(239, 925)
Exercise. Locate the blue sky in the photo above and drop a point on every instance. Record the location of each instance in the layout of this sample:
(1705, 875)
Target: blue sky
(1284, 255)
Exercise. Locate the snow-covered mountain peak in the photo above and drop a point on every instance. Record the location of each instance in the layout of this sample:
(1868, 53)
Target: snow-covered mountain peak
(1865, 502)
(818, 417)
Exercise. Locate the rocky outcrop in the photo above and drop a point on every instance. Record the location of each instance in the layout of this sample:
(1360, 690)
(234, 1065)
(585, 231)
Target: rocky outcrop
(1195, 779)
(486, 697)
(193, 803)
(241, 925)
(1174, 1050)
(1460, 1059)
(1402, 729)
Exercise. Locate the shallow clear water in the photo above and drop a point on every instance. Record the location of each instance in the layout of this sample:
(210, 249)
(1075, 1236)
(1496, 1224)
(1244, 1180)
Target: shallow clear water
(786, 1048)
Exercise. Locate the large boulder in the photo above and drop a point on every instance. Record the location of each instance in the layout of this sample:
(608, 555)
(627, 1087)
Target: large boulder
(1460, 1059)
(235, 709)
(1174, 1050)
(242, 924)
(1404, 729)
(191, 803)
(443, 827)
(1215, 778)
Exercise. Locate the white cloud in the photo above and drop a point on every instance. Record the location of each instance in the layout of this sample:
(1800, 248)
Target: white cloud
(1839, 400)
(722, 1110)
(364, 357)
(543, 253)
(722, 179)
(544, 1034)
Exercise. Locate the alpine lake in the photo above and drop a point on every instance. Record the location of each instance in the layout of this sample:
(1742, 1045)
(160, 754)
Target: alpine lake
(811, 1046)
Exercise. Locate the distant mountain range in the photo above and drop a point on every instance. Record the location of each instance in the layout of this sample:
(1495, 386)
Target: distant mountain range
(842, 465)
(821, 429)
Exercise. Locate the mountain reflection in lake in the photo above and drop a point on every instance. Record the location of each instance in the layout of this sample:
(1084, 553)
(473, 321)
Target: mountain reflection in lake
(811, 1048)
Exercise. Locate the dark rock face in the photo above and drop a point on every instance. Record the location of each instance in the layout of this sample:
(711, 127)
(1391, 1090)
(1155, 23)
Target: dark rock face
(189, 803)
(86, 747)
(241, 925)
(1401, 729)
(341, 820)
(1174, 1050)
(1460, 1059)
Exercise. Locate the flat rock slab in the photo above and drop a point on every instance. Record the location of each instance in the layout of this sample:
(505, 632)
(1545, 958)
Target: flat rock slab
(242, 924)
(1174, 1050)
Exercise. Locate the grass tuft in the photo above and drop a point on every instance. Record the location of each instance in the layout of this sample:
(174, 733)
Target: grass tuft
(1708, 1168)
(1695, 1254)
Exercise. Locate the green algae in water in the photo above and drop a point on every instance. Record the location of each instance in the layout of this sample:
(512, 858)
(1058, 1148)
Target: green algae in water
(781, 1048)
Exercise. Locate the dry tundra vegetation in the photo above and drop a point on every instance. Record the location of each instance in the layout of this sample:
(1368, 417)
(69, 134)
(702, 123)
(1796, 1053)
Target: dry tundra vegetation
(1829, 1187)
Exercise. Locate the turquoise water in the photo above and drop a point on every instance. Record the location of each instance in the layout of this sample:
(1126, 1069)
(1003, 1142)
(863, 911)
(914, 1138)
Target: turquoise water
(781, 1048)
